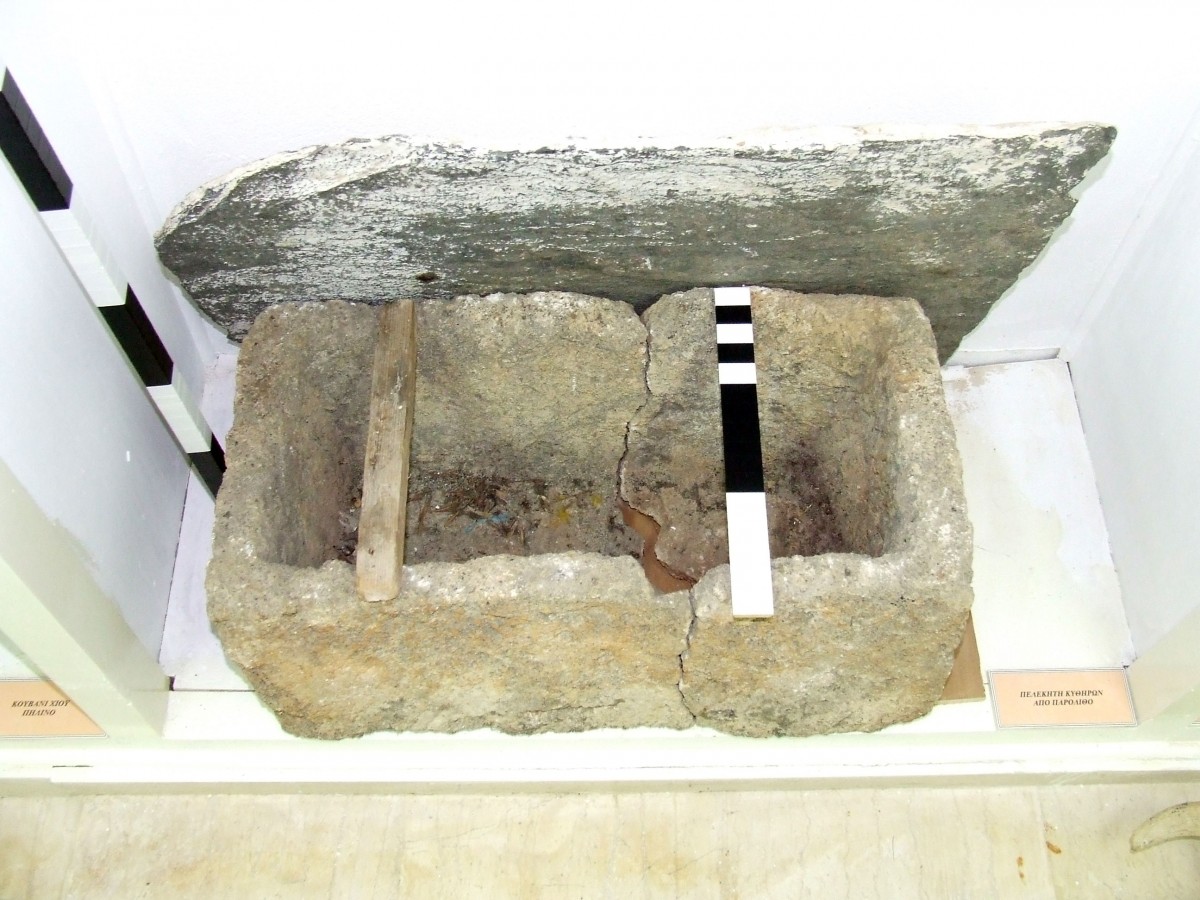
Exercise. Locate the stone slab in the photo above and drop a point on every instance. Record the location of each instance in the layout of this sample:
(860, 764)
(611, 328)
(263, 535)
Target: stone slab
(950, 219)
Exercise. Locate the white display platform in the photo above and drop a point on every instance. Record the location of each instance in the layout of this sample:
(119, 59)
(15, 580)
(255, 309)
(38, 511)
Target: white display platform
(1046, 597)
(1046, 591)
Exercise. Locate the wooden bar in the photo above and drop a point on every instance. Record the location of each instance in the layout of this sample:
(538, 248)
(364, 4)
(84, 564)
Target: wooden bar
(380, 558)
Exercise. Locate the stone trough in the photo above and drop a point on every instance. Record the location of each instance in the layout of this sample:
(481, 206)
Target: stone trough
(544, 423)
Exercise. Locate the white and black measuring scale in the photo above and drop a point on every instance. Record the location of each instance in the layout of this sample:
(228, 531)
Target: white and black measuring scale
(745, 496)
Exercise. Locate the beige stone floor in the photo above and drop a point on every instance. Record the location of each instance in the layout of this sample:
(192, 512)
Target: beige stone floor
(1036, 842)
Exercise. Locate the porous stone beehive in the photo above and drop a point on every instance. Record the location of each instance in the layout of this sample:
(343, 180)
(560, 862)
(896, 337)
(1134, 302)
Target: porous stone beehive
(523, 607)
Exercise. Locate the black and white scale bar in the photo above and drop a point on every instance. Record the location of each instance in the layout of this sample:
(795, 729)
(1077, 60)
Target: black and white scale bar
(32, 158)
(745, 498)
(136, 336)
(25, 145)
(210, 465)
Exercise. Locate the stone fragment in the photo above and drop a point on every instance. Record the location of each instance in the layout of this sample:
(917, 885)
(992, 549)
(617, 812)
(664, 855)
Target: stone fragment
(871, 541)
(522, 406)
(554, 641)
(673, 470)
(541, 384)
(949, 218)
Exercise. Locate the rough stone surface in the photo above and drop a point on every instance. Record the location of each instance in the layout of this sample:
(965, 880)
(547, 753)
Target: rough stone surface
(295, 452)
(674, 469)
(562, 642)
(856, 644)
(542, 384)
(557, 642)
(853, 412)
(521, 409)
(872, 587)
(950, 219)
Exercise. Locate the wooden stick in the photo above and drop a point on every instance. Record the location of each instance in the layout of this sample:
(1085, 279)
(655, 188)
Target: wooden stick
(380, 558)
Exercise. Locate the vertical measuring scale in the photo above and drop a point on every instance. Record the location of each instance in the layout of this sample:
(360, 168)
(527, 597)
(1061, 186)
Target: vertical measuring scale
(745, 495)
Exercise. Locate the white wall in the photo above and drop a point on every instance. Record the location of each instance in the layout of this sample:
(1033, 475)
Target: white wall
(1137, 380)
(36, 46)
(76, 428)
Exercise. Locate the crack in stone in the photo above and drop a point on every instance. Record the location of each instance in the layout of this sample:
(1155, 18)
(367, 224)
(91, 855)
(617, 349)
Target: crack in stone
(663, 577)
(687, 646)
(637, 412)
(648, 545)
(574, 708)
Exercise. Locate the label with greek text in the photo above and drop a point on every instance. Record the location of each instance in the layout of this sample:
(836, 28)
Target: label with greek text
(1055, 697)
(35, 709)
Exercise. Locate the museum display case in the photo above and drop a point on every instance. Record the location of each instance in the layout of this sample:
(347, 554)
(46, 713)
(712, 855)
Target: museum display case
(149, 220)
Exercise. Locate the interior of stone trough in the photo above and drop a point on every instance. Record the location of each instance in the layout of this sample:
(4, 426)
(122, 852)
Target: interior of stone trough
(513, 455)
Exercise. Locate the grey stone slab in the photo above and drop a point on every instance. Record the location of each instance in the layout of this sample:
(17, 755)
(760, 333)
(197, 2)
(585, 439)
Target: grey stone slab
(949, 219)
